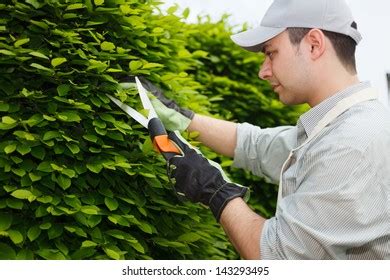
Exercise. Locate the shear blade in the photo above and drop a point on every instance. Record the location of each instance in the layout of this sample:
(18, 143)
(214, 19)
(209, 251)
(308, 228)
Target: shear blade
(131, 112)
(145, 99)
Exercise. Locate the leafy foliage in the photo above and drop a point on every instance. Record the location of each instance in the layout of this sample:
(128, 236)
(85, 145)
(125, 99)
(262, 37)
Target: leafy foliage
(79, 179)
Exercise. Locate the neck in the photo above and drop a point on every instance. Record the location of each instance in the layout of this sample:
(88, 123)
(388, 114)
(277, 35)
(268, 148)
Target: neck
(327, 87)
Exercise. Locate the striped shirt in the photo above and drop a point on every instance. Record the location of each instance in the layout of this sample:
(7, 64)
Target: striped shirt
(336, 191)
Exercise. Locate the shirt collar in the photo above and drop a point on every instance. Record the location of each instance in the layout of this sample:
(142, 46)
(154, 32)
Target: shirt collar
(311, 118)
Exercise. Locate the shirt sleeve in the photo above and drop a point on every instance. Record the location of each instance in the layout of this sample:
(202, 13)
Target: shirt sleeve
(263, 151)
(338, 207)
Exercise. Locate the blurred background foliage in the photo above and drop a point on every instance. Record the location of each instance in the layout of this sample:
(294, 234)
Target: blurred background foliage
(78, 178)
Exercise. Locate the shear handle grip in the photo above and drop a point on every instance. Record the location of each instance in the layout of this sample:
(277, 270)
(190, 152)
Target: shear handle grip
(160, 139)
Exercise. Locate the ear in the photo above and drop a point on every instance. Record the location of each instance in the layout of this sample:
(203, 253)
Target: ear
(316, 43)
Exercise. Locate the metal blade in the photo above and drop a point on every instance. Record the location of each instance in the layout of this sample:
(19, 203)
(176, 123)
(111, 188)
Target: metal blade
(145, 99)
(130, 111)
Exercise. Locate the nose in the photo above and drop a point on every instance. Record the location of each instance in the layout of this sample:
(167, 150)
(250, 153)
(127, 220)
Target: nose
(265, 71)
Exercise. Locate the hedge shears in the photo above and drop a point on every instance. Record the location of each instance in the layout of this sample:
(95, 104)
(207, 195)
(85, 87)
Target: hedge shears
(157, 131)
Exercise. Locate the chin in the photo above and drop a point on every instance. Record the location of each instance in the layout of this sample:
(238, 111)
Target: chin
(289, 102)
(288, 99)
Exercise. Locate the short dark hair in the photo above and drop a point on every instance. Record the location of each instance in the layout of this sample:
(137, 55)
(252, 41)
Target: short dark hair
(344, 45)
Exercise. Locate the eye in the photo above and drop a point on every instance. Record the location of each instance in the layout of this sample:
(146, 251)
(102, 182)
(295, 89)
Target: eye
(270, 54)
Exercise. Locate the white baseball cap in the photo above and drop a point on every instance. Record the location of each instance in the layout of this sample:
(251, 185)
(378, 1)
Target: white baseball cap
(329, 15)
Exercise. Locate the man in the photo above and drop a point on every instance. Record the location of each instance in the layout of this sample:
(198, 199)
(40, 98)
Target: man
(333, 167)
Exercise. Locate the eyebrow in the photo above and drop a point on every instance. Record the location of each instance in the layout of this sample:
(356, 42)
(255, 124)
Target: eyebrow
(264, 46)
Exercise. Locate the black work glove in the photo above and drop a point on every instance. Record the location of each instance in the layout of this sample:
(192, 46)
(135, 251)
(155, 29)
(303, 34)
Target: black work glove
(202, 180)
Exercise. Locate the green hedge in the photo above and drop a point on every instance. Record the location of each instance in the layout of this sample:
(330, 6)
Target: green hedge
(78, 178)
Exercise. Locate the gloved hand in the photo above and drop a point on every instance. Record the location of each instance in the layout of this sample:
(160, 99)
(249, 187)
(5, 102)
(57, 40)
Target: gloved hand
(172, 115)
(202, 180)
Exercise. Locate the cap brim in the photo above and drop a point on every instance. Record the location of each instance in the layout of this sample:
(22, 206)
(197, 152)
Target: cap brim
(253, 39)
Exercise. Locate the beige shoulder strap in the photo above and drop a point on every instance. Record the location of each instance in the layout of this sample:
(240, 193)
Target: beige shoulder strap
(342, 106)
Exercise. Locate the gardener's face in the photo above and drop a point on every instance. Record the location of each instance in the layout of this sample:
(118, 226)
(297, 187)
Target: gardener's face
(287, 69)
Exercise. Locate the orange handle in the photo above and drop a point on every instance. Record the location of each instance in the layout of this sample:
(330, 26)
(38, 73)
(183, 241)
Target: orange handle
(165, 146)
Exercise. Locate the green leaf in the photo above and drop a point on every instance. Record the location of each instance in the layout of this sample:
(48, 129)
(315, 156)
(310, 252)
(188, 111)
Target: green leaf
(8, 188)
(135, 64)
(14, 203)
(34, 177)
(62, 247)
(166, 243)
(64, 182)
(45, 166)
(69, 116)
(107, 118)
(38, 152)
(35, 3)
(20, 42)
(72, 201)
(41, 67)
(68, 172)
(25, 254)
(75, 149)
(111, 203)
(38, 54)
(145, 227)
(116, 136)
(4, 107)
(58, 61)
(7, 52)
(98, 2)
(63, 89)
(172, 9)
(34, 120)
(107, 46)
(91, 138)
(6, 252)
(152, 65)
(113, 252)
(55, 231)
(41, 24)
(186, 13)
(158, 30)
(147, 175)
(50, 135)
(88, 243)
(51, 119)
(8, 120)
(189, 237)
(56, 167)
(45, 199)
(24, 135)
(95, 167)
(5, 221)
(90, 210)
(76, 6)
(99, 123)
(4, 126)
(16, 159)
(45, 226)
(118, 234)
(138, 247)
(141, 44)
(23, 149)
(50, 254)
(10, 148)
(22, 194)
(33, 233)
(15, 236)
